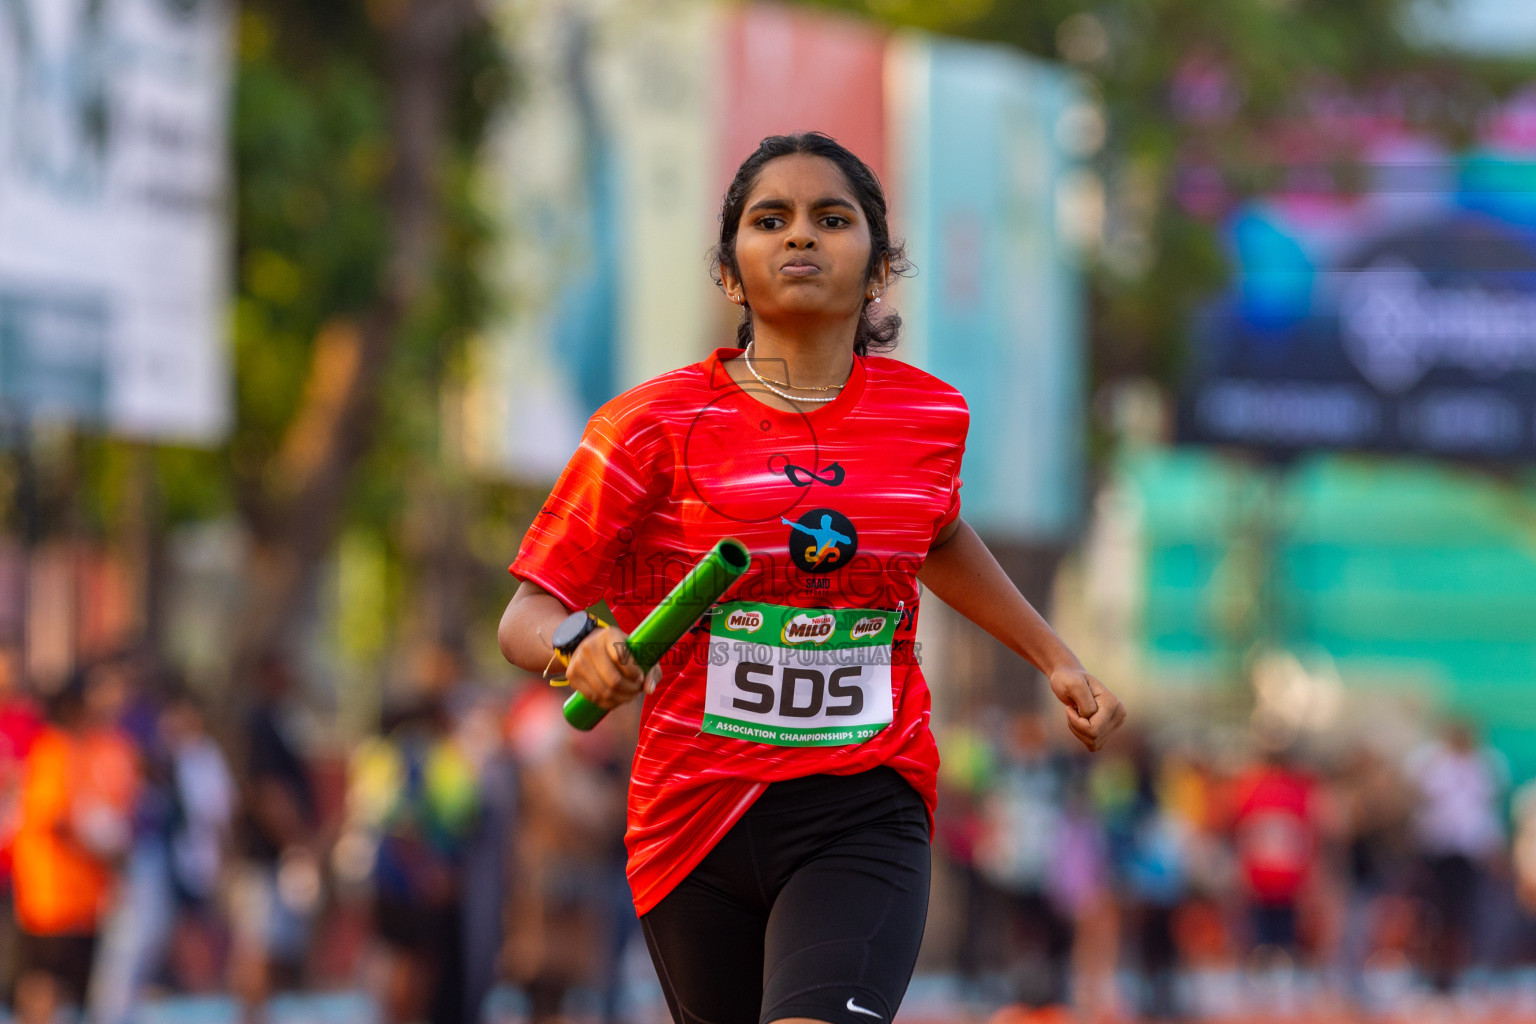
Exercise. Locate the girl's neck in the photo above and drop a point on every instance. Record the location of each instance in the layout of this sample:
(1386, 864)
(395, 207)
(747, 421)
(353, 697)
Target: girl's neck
(803, 358)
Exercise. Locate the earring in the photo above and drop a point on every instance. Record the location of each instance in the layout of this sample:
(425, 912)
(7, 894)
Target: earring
(877, 298)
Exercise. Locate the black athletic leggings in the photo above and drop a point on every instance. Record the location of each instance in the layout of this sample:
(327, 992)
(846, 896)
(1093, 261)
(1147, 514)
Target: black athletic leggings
(813, 905)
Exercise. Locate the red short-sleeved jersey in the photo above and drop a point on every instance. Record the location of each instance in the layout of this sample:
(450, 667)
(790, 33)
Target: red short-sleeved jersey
(1275, 824)
(839, 507)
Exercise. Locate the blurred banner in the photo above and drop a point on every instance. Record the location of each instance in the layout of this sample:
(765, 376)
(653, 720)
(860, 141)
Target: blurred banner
(787, 70)
(996, 308)
(551, 183)
(663, 98)
(1395, 312)
(607, 178)
(1411, 582)
(113, 223)
(600, 178)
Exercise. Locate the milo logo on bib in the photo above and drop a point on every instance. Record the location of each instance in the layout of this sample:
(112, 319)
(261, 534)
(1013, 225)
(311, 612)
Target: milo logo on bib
(869, 626)
(799, 677)
(744, 622)
(809, 629)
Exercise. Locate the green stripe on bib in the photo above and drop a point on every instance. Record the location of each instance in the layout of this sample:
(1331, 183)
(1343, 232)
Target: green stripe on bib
(803, 628)
(801, 677)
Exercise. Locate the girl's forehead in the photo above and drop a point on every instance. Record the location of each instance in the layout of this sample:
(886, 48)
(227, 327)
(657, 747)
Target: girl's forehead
(800, 176)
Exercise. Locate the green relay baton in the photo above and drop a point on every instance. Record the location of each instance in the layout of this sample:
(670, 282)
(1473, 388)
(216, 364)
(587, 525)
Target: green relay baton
(666, 623)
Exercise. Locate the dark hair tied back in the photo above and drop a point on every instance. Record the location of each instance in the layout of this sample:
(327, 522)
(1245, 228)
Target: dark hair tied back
(874, 334)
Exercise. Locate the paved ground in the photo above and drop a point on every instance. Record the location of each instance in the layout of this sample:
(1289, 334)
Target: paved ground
(1222, 999)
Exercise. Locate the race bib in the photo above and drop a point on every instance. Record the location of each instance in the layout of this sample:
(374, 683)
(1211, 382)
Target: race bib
(799, 677)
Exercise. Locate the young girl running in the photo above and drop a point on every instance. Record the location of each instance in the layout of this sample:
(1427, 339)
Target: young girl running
(782, 794)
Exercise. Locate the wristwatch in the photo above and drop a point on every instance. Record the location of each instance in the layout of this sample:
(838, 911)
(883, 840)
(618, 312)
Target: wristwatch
(573, 629)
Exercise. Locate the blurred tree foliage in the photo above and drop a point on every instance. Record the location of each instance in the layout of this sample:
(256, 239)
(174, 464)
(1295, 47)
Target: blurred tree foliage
(1197, 97)
(356, 127)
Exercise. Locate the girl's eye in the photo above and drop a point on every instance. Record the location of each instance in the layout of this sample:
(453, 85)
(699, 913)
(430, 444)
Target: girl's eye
(770, 223)
(834, 221)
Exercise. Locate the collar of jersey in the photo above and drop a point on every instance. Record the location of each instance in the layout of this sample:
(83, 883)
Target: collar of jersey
(719, 377)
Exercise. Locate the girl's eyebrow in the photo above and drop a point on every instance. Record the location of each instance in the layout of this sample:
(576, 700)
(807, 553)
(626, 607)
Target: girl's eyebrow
(778, 203)
(771, 203)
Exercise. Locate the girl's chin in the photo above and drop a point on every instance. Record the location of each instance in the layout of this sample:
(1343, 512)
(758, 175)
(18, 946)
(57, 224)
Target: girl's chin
(793, 307)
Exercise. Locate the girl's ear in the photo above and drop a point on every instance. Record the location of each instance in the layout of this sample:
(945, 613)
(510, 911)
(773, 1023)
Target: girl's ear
(880, 279)
(732, 286)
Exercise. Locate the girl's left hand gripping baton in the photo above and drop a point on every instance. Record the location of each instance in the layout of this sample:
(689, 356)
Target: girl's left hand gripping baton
(666, 624)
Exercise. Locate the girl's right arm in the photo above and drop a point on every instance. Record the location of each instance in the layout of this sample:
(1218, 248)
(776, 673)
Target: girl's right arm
(601, 669)
(527, 625)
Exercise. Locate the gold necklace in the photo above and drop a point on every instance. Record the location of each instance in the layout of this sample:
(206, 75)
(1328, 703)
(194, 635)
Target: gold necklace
(785, 383)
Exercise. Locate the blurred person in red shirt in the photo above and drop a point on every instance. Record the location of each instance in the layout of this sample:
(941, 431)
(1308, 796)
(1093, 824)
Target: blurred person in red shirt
(21, 721)
(80, 782)
(1274, 824)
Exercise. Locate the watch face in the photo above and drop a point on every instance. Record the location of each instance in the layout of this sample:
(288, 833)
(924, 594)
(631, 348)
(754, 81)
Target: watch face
(571, 631)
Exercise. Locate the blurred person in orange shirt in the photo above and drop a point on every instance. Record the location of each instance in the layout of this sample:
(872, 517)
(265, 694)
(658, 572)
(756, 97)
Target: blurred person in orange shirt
(78, 794)
(21, 720)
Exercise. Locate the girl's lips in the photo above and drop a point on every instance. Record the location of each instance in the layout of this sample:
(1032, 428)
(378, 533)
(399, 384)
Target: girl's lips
(799, 269)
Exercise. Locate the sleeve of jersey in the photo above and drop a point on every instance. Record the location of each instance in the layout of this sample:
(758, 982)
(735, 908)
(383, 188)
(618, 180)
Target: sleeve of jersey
(571, 546)
(953, 512)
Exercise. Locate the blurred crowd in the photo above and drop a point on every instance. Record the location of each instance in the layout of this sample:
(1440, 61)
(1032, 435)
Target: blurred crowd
(1164, 881)
(152, 847)
(474, 843)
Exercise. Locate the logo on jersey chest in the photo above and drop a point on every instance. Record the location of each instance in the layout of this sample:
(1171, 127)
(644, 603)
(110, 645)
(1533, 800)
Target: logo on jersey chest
(802, 477)
(821, 540)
